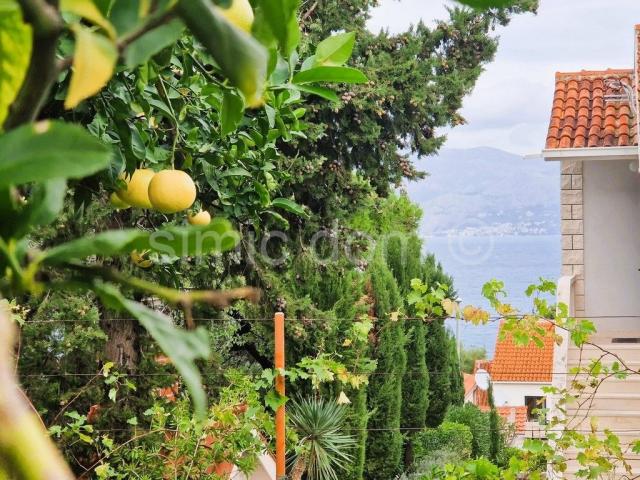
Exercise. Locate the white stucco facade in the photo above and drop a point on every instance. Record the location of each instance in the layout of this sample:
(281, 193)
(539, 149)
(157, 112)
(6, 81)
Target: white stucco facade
(512, 394)
(611, 192)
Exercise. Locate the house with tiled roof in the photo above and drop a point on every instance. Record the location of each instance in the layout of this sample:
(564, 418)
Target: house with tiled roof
(518, 374)
(593, 133)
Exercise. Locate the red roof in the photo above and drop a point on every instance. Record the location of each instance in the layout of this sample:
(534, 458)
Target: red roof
(514, 415)
(592, 109)
(469, 383)
(530, 363)
(596, 108)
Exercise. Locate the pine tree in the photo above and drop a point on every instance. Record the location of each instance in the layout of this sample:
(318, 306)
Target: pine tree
(384, 456)
(418, 79)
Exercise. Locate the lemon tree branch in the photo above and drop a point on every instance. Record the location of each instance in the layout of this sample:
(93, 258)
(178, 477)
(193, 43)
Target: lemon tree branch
(47, 26)
(25, 447)
(176, 298)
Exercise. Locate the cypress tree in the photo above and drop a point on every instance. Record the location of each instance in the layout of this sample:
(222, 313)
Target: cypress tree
(439, 365)
(437, 355)
(457, 381)
(346, 310)
(404, 258)
(415, 384)
(384, 456)
(495, 435)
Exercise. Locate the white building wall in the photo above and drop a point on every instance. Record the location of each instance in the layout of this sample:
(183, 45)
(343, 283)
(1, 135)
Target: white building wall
(611, 239)
(511, 394)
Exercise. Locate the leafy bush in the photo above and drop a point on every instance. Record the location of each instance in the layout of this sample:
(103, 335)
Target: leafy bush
(478, 423)
(479, 469)
(435, 461)
(533, 461)
(449, 436)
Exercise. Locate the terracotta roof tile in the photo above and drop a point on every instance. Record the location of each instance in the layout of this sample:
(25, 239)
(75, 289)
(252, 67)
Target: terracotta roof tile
(514, 415)
(469, 383)
(530, 363)
(591, 110)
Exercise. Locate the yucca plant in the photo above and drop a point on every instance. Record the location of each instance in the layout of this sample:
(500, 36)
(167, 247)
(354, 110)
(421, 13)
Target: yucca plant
(322, 448)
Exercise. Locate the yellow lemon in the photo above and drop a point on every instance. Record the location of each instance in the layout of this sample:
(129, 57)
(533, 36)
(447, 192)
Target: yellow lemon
(239, 14)
(136, 193)
(172, 191)
(117, 202)
(200, 218)
(141, 259)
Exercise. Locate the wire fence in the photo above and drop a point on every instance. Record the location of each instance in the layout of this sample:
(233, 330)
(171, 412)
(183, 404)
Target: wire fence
(491, 318)
(417, 373)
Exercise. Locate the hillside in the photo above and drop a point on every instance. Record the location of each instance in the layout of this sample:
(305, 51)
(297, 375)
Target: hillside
(485, 191)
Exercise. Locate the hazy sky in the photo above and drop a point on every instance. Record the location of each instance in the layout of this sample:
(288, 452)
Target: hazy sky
(510, 106)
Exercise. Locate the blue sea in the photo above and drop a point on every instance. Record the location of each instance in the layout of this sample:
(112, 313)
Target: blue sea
(517, 260)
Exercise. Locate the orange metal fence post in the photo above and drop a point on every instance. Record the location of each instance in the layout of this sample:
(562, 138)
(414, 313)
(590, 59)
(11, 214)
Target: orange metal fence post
(280, 413)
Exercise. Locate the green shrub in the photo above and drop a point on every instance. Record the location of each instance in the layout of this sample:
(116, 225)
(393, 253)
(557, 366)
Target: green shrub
(434, 462)
(478, 423)
(451, 436)
(535, 462)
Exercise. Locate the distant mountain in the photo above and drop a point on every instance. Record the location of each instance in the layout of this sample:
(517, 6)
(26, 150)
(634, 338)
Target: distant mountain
(485, 191)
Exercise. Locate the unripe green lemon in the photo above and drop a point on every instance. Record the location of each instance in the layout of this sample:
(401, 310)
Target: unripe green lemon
(239, 14)
(117, 202)
(200, 218)
(172, 191)
(137, 192)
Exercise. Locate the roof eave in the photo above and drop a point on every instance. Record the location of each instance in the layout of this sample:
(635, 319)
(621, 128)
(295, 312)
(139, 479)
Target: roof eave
(591, 153)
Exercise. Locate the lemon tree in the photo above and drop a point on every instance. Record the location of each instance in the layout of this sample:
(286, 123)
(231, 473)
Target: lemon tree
(95, 97)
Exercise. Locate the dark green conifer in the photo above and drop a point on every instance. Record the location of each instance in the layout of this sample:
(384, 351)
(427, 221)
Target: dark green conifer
(384, 458)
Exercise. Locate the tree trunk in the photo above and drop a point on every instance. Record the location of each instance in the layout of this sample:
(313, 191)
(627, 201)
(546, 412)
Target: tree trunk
(298, 469)
(122, 346)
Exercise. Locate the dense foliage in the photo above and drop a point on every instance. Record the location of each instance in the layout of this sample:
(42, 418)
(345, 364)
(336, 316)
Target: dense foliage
(270, 145)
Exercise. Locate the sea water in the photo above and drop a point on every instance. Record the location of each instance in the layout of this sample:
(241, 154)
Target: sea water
(518, 261)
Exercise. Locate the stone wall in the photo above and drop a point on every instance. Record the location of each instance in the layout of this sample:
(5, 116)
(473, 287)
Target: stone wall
(572, 228)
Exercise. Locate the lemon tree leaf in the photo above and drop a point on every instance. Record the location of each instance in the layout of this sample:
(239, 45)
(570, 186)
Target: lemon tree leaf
(241, 58)
(152, 42)
(181, 346)
(232, 112)
(94, 59)
(330, 74)
(48, 149)
(289, 206)
(217, 236)
(280, 17)
(336, 49)
(125, 15)
(88, 10)
(322, 92)
(15, 52)
(236, 172)
(45, 203)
